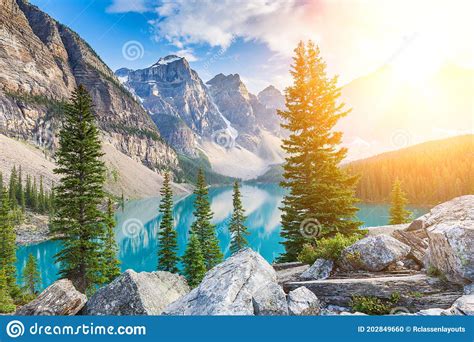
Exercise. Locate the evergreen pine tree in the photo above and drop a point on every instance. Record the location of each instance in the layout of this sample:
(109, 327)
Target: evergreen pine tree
(31, 275)
(79, 194)
(321, 195)
(6, 301)
(34, 196)
(167, 236)
(7, 245)
(398, 213)
(12, 189)
(202, 226)
(110, 263)
(194, 262)
(41, 198)
(237, 227)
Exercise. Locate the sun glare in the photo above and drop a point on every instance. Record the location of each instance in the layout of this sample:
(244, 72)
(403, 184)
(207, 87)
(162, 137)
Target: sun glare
(416, 64)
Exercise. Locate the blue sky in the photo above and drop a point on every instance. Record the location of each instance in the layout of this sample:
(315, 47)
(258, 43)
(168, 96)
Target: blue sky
(255, 38)
(108, 32)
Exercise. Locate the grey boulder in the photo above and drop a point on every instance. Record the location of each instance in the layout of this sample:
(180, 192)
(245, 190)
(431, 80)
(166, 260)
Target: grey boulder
(132, 293)
(303, 302)
(373, 253)
(233, 288)
(321, 269)
(270, 301)
(59, 299)
(450, 229)
(463, 306)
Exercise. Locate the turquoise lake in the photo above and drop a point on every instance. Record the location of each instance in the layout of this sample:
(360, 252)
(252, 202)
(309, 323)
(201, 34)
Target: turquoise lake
(138, 222)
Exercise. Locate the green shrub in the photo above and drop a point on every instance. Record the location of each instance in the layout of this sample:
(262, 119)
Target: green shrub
(369, 305)
(373, 305)
(327, 248)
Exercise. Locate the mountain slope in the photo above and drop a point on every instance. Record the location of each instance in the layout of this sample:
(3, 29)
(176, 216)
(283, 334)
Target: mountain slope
(431, 172)
(41, 62)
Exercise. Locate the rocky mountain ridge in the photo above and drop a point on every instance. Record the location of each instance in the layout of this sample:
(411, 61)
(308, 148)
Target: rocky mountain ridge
(220, 119)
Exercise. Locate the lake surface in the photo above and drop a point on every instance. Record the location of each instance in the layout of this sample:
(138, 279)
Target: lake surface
(138, 223)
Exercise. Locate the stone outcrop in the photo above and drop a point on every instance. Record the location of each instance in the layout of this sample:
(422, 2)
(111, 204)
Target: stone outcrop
(303, 302)
(373, 253)
(450, 229)
(418, 246)
(418, 292)
(321, 269)
(59, 299)
(232, 288)
(132, 293)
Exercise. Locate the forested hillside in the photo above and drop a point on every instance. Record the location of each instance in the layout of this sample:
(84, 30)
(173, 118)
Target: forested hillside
(431, 172)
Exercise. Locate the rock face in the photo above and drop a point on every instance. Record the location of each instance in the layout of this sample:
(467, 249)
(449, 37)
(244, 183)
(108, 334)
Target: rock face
(135, 293)
(244, 284)
(373, 253)
(450, 228)
(59, 299)
(41, 62)
(303, 302)
(321, 269)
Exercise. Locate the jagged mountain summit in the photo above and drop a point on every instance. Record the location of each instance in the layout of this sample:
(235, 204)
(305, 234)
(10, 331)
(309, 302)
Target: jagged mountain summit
(41, 62)
(219, 121)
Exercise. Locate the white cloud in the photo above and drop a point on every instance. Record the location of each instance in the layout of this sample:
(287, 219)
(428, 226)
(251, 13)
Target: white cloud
(187, 53)
(124, 6)
(355, 36)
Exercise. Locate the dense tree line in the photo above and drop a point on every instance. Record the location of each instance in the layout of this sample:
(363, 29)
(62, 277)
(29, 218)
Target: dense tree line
(431, 173)
(27, 192)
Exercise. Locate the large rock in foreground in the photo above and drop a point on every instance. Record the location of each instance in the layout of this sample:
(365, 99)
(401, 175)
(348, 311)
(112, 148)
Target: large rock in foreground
(135, 293)
(303, 302)
(232, 287)
(59, 299)
(450, 228)
(373, 253)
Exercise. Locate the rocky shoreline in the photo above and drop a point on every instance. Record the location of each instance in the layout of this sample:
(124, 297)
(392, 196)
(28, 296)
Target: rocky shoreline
(424, 268)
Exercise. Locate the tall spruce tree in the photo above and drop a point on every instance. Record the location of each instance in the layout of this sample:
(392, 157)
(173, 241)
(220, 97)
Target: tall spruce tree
(237, 227)
(31, 275)
(320, 201)
(7, 245)
(110, 264)
(398, 213)
(6, 301)
(167, 236)
(194, 261)
(78, 219)
(202, 226)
